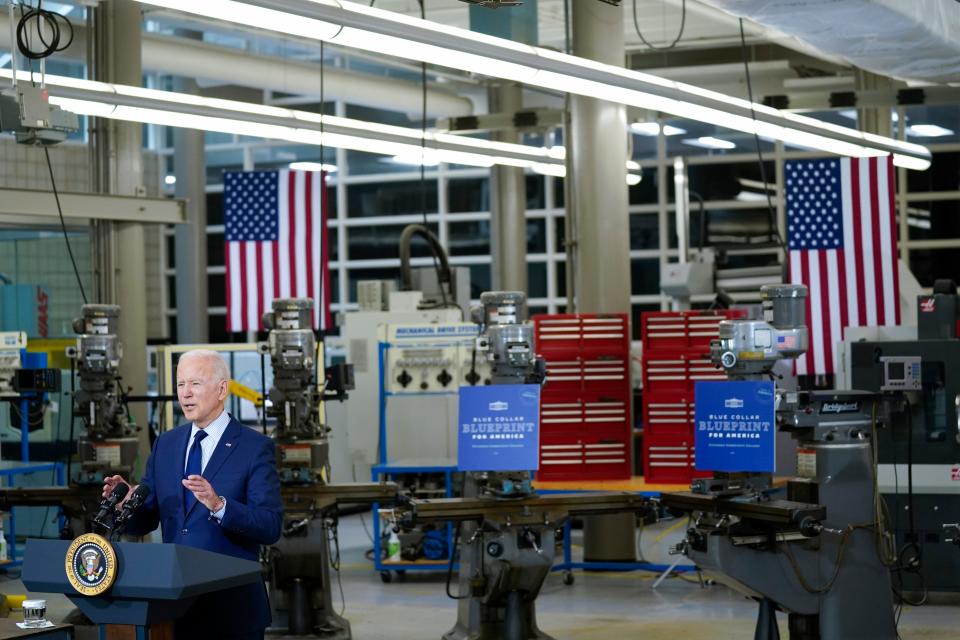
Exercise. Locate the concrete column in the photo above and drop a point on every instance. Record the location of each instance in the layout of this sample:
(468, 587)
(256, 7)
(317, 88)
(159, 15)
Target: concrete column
(191, 238)
(508, 199)
(596, 154)
(123, 275)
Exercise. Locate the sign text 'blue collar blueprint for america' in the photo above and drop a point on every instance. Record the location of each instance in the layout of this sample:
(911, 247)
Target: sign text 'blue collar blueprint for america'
(499, 428)
(734, 426)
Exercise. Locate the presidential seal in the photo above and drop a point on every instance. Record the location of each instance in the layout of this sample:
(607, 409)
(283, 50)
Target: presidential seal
(91, 564)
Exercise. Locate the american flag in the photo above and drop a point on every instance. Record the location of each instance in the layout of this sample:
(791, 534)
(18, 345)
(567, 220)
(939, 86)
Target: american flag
(276, 244)
(842, 238)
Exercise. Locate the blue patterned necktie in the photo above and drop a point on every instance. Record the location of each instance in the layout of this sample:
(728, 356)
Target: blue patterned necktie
(194, 467)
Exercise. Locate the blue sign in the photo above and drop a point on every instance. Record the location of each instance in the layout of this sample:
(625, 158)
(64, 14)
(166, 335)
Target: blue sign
(499, 428)
(734, 426)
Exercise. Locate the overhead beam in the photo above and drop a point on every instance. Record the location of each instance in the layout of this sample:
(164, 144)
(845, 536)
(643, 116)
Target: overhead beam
(801, 99)
(30, 203)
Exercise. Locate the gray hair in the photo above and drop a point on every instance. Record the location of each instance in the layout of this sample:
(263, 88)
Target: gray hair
(217, 365)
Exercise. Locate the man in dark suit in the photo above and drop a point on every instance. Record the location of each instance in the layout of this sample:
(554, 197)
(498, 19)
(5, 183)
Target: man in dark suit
(214, 486)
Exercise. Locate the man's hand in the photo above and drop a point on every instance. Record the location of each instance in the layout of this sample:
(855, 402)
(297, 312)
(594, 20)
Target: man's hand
(109, 484)
(203, 492)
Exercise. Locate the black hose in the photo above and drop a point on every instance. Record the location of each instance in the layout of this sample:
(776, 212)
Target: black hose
(406, 274)
(52, 20)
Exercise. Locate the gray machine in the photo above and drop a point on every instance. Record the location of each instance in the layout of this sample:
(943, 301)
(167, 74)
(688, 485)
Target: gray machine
(299, 564)
(502, 571)
(823, 555)
(920, 461)
(507, 532)
(110, 444)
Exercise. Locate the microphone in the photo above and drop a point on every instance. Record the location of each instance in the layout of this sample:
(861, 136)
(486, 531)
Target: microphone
(108, 504)
(137, 498)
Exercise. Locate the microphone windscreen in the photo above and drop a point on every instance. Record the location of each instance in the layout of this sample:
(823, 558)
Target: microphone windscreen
(119, 492)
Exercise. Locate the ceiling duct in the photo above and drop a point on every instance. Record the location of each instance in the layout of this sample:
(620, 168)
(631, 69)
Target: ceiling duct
(915, 40)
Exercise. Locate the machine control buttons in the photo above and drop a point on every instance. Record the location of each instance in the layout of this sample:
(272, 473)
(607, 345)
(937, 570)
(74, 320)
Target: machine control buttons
(444, 378)
(404, 379)
(901, 373)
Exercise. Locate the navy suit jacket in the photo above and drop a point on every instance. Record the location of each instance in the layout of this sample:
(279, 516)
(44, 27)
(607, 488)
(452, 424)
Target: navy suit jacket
(243, 470)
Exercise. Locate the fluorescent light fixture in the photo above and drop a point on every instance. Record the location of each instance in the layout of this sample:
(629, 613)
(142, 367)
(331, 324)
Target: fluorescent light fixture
(352, 24)
(427, 159)
(709, 142)
(653, 129)
(928, 131)
(558, 171)
(313, 166)
(646, 128)
(149, 106)
(170, 180)
(751, 196)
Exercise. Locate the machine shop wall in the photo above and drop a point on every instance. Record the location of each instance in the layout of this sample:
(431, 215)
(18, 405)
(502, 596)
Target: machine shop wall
(43, 260)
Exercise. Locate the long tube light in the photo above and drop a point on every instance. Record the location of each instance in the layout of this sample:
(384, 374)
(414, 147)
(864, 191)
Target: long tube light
(151, 106)
(356, 25)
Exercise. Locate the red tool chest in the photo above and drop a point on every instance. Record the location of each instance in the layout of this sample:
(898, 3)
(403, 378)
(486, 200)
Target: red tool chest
(676, 354)
(585, 405)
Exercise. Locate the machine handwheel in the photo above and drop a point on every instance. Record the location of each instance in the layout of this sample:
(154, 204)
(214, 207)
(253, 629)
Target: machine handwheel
(385, 577)
(568, 578)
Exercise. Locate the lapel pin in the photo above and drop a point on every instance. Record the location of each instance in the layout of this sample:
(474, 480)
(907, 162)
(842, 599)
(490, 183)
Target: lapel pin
(229, 444)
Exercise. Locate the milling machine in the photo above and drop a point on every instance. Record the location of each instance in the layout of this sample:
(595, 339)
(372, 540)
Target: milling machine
(109, 446)
(918, 464)
(822, 555)
(507, 532)
(299, 564)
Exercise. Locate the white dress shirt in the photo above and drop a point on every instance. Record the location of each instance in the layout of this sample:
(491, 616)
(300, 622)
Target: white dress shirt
(208, 445)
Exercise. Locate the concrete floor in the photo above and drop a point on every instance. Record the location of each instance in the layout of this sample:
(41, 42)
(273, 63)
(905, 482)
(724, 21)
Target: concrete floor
(597, 606)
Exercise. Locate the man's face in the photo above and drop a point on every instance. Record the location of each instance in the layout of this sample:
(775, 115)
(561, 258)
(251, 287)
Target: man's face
(201, 396)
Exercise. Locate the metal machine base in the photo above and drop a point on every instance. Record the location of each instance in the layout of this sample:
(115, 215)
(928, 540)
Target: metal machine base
(495, 630)
(511, 574)
(503, 563)
(300, 581)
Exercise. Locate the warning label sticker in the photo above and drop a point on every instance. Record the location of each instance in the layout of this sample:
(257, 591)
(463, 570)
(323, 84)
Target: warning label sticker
(807, 463)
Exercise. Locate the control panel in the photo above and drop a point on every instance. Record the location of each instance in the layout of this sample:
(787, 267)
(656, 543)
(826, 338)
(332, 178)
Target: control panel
(11, 344)
(901, 373)
(432, 358)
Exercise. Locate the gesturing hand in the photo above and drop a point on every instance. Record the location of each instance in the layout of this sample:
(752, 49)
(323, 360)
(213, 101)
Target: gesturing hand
(110, 483)
(202, 491)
